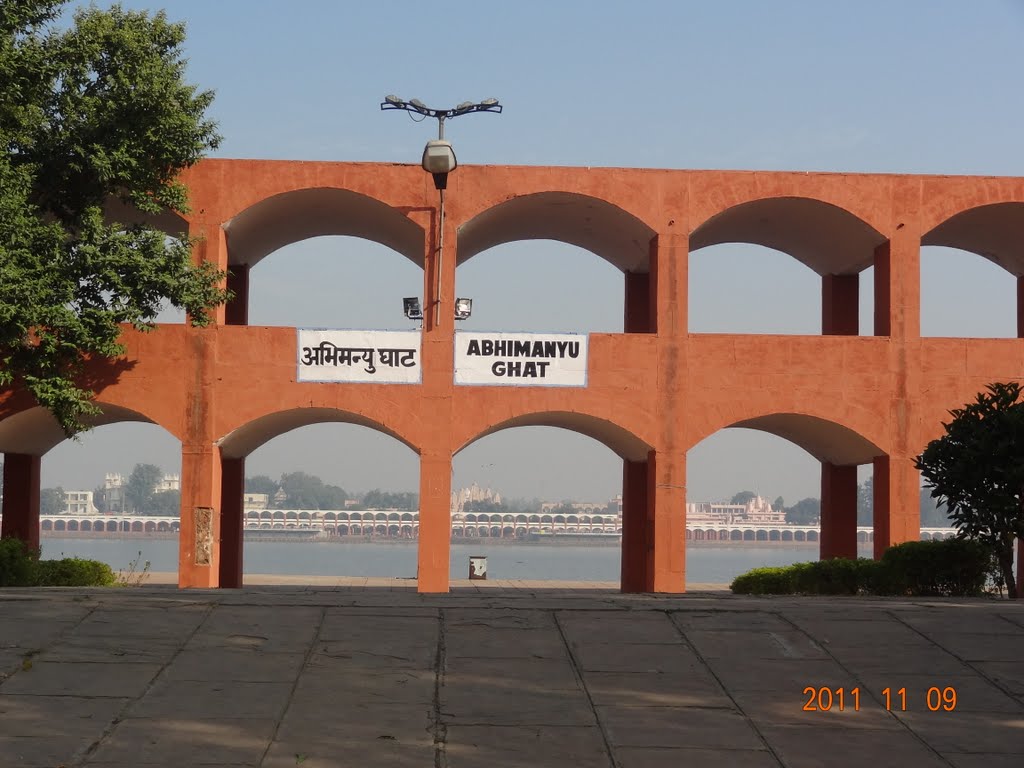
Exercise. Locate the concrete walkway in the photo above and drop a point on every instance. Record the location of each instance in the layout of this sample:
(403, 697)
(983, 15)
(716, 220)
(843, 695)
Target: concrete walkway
(487, 678)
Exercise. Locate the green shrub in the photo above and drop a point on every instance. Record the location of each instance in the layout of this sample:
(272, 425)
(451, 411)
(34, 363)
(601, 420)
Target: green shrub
(21, 567)
(17, 563)
(74, 572)
(764, 581)
(954, 567)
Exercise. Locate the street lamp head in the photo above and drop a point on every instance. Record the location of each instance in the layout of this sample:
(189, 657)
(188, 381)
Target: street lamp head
(439, 160)
(393, 100)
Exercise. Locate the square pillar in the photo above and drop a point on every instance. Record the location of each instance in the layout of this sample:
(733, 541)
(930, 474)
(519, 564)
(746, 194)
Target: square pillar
(838, 511)
(840, 305)
(236, 312)
(21, 498)
(666, 493)
(211, 245)
(634, 526)
(670, 260)
(897, 502)
(434, 556)
(232, 521)
(1020, 307)
(637, 305)
(199, 539)
(898, 287)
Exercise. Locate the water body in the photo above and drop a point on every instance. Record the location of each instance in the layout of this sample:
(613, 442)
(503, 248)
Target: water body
(715, 563)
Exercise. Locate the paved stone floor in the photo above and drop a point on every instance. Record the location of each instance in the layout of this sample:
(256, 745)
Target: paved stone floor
(278, 676)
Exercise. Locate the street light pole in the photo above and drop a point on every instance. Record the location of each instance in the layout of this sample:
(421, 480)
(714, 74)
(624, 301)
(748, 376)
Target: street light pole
(439, 159)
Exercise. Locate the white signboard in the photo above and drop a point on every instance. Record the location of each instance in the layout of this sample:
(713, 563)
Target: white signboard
(376, 357)
(521, 359)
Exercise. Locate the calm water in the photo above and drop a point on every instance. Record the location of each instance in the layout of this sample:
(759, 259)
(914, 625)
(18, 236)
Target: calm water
(704, 563)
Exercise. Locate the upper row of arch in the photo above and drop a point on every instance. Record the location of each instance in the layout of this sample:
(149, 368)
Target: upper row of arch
(833, 229)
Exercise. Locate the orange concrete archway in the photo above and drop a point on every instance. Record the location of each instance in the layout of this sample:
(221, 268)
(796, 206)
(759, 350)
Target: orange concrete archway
(651, 392)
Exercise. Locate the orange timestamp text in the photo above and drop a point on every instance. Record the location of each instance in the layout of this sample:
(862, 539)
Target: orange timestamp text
(825, 699)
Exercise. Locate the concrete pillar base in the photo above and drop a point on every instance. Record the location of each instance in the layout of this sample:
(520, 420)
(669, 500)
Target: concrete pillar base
(21, 498)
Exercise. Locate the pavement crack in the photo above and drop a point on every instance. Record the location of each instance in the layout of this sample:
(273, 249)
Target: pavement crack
(700, 657)
(578, 673)
(120, 716)
(313, 644)
(439, 728)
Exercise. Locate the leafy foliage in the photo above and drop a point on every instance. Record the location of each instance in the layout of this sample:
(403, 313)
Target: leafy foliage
(919, 568)
(743, 497)
(89, 114)
(21, 567)
(51, 501)
(261, 484)
(138, 491)
(977, 470)
(804, 512)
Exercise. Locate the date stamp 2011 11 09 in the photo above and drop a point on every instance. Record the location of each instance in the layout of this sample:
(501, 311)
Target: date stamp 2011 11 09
(825, 699)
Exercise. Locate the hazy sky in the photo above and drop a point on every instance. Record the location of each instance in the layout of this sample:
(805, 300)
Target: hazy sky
(917, 86)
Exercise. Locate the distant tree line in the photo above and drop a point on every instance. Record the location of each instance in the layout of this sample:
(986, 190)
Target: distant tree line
(300, 490)
(808, 511)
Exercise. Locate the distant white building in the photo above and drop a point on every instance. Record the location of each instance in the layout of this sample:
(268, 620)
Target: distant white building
(114, 487)
(474, 493)
(113, 492)
(79, 503)
(168, 483)
(757, 510)
(256, 500)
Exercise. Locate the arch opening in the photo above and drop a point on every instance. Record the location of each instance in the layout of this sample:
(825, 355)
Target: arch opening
(965, 294)
(532, 484)
(348, 483)
(536, 287)
(773, 483)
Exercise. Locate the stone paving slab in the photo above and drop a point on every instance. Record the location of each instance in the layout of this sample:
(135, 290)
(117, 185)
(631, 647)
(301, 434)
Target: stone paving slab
(517, 675)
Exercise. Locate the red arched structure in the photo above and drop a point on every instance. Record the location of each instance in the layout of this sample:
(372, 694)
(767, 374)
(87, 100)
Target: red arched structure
(651, 392)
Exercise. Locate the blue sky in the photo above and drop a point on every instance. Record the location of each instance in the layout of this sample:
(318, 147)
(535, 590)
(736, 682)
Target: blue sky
(910, 87)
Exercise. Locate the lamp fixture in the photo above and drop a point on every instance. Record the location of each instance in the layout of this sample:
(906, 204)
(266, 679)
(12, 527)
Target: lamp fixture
(438, 156)
(411, 305)
(463, 308)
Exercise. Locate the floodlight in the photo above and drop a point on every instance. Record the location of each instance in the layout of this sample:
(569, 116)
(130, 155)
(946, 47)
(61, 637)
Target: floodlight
(411, 305)
(392, 99)
(439, 160)
(489, 102)
(463, 308)
(418, 104)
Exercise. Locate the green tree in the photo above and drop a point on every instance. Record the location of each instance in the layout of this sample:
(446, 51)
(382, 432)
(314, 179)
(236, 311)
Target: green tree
(804, 512)
(99, 499)
(743, 497)
(378, 499)
(261, 484)
(779, 504)
(51, 501)
(138, 491)
(977, 470)
(92, 113)
(866, 502)
(332, 497)
(165, 503)
(303, 490)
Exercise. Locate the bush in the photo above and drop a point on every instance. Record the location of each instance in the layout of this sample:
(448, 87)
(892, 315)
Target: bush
(764, 581)
(21, 567)
(74, 572)
(17, 563)
(955, 568)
